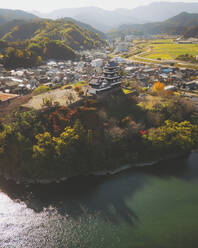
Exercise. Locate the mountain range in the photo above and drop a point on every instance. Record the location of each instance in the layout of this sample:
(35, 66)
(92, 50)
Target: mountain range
(99, 18)
(12, 18)
(26, 39)
(158, 17)
(183, 24)
(104, 20)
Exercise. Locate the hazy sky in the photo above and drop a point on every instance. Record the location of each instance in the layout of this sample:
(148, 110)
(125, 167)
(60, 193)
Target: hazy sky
(49, 5)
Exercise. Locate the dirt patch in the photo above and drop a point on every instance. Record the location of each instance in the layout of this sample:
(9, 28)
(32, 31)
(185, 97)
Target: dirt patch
(8, 109)
(63, 97)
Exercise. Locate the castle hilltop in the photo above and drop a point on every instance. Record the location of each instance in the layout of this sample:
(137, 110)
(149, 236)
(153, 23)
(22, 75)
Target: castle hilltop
(108, 80)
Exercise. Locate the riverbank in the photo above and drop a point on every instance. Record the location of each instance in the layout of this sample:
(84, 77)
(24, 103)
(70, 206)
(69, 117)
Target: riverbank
(137, 207)
(95, 138)
(97, 173)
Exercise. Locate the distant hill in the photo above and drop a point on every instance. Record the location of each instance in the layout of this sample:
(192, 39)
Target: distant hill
(161, 11)
(105, 20)
(191, 32)
(28, 43)
(182, 24)
(86, 26)
(7, 15)
(73, 35)
(100, 19)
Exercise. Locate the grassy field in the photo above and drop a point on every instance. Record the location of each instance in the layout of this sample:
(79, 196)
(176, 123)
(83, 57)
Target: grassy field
(139, 59)
(158, 50)
(169, 51)
(80, 83)
(154, 41)
(162, 41)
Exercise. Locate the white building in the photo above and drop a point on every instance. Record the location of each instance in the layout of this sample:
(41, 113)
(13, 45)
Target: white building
(122, 47)
(129, 38)
(97, 63)
(119, 60)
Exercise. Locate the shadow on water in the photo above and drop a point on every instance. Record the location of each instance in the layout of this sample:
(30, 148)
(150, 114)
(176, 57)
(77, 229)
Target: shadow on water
(81, 196)
(106, 196)
(184, 169)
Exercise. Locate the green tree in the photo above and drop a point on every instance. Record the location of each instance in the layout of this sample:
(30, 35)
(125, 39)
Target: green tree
(45, 147)
(14, 150)
(172, 137)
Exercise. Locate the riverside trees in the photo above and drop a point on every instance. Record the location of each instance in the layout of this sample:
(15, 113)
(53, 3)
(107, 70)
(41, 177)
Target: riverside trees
(98, 135)
(172, 137)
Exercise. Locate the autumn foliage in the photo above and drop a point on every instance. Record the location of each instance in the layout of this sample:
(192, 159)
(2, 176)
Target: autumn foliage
(158, 87)
(97, 135)
(77, 88)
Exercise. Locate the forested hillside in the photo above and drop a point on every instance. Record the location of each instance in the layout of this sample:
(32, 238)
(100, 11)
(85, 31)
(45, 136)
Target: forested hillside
(86, 26)
(30, 42)
(183, 24)
(62, 30)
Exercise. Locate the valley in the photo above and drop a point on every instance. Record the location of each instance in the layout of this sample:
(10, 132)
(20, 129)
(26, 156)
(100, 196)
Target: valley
(98, 124)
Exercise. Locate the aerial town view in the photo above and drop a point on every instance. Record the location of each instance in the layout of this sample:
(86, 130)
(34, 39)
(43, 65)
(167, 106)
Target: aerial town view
(99, 124)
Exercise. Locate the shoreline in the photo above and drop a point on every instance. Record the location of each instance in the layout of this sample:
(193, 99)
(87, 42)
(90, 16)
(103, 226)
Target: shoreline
(27, 181)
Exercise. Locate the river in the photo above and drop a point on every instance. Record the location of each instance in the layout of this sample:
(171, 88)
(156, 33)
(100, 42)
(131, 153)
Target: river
(138, 208)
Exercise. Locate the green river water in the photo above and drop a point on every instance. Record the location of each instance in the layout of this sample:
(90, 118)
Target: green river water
(140, 208)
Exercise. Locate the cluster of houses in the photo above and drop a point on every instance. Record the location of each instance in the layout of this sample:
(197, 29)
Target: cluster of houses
(23, 81)
(145, 75)
(180, 40)
(174, 78)
(53, 74)
(93, 68)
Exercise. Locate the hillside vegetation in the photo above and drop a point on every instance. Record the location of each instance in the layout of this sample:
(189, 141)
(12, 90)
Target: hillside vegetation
(73, 35)
(97, 135)
(86, 26)
(30, 53)
(29, 42)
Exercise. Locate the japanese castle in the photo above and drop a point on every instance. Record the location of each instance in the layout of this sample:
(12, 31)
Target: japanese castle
(108, 80)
